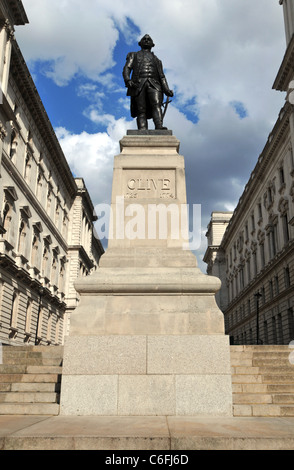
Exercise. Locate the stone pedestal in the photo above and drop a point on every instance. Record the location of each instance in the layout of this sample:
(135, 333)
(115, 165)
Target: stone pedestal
(147, 337)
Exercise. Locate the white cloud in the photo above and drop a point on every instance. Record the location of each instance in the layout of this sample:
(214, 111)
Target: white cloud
(71, 35)
(90, 156)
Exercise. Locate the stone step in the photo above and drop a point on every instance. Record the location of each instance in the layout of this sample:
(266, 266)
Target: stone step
(272, 362)
(277, 379)
(248, 378)
(262, 388)
(260, 348)
(5, 387)
(263, 410)
(12, 369)
(259, 355)
(28, 397)
(283, 398)
(51, 350)
(275, 370)
(32, 361)
(29, 409)
(28, 369)
(263, 398)
(252, 398)
(29, 378)
(35, 387)
(282, 388)
(44, 370)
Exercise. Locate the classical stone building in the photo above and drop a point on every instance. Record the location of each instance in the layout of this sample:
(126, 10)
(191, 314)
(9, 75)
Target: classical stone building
(46, 215)
(254, 254)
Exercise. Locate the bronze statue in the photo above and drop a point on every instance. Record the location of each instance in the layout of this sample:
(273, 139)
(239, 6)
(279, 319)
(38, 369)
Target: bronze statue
(147, 85)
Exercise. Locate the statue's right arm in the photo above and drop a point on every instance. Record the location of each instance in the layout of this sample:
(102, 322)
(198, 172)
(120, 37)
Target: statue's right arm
(128, 68)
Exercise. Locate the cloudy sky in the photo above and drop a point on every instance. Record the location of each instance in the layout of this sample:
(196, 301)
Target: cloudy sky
(220, 57)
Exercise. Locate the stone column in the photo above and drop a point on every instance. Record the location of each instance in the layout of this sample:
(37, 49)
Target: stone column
(147, 337)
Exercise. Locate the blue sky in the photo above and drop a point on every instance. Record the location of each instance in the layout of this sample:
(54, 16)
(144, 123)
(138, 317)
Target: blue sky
(220, 57)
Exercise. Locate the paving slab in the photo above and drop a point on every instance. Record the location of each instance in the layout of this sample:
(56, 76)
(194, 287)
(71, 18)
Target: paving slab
(231, 433)
(145, 433)
(10, 424)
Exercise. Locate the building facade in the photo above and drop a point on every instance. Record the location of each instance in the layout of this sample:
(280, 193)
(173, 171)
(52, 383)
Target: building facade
(254, 256)
(46, 215)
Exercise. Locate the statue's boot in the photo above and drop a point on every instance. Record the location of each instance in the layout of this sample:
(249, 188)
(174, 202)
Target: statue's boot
(142, 123)
(157, 118)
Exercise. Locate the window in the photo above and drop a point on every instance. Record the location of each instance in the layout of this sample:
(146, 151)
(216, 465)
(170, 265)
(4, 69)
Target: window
(285, 224)
(40, 182)
(7, 215)
(241, 278)
(49, 326)
(250, 336)
(49, 200)
(282, 176)
(35, 247)
(277, 285)
(265, 332)
(40, 322)
(291, 323)
(271, 289)
(291, 156)
(272, 240)
(45, 260)
(287, 277)
(254, 263)
(280, 330)
(253, 222)
(54, 269)
(263, 295)
(28, 166)
(61, 277)
(274, 330)
(1, 295)
(13, 144)
(21, 236)
(246, 232)
(262, 255)
(28, 316)
(248, 270)
(14, 310)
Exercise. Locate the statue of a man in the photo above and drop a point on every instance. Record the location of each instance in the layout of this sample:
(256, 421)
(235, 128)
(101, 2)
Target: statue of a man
(146, 83)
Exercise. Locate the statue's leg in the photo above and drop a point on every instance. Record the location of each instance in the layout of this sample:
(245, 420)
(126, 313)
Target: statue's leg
(155, 99)
(142, 122)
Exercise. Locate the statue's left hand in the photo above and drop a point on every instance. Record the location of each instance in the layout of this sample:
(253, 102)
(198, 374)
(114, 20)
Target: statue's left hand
(169, 93)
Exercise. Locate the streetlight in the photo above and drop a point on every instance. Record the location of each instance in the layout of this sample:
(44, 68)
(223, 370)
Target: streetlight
(257, 297)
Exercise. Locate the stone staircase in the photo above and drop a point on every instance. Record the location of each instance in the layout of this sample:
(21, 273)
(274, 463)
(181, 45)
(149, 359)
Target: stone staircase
(30, 378)
(263, 381)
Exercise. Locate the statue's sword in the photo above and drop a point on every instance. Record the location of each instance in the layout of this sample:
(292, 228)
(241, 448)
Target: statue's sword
(165, 105)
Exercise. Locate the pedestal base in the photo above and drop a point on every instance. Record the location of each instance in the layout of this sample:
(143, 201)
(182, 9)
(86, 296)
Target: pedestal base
(147, 376)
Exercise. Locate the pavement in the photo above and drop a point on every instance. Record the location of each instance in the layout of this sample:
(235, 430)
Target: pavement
(151, 433)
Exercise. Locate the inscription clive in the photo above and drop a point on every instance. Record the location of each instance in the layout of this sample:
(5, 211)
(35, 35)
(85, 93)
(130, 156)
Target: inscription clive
(149, 184)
